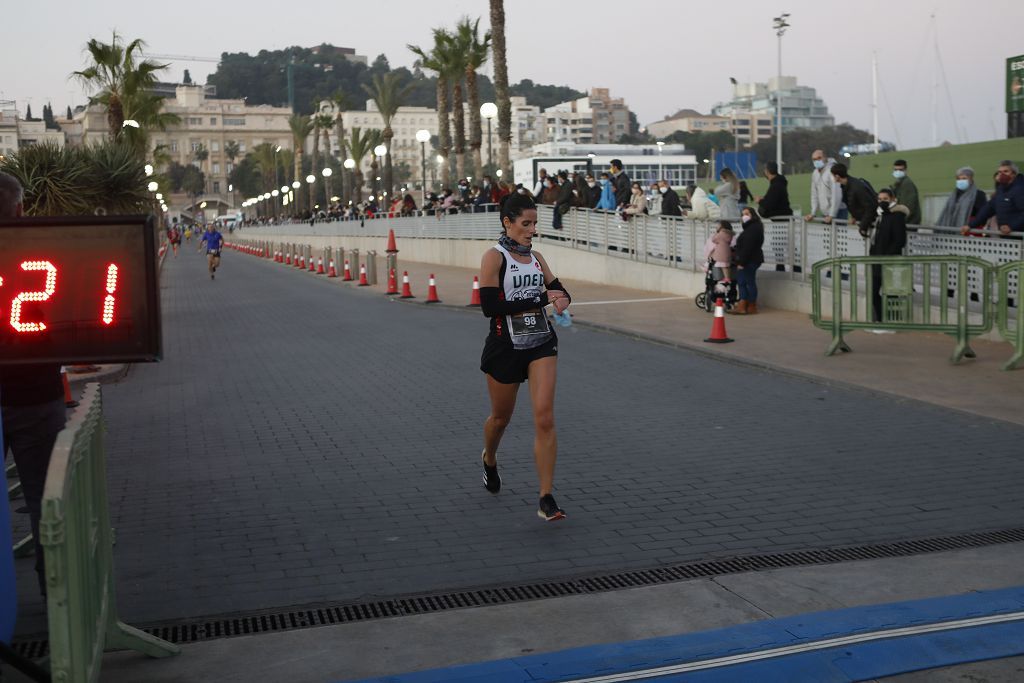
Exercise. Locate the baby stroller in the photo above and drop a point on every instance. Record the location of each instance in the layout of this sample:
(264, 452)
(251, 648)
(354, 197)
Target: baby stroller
(714, 288)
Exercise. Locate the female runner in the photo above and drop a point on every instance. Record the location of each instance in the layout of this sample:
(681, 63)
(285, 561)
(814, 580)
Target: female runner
(515, 286)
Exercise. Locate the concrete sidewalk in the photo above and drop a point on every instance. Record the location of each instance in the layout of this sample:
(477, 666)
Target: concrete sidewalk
(913, 365)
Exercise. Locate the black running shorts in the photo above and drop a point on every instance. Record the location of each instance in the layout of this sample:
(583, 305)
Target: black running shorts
(509, 366)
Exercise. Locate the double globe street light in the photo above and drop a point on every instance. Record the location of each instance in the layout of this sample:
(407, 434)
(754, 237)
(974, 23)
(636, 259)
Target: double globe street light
(423, 136)
(489, 110)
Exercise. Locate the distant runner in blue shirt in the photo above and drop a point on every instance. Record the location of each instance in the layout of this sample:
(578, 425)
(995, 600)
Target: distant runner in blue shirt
(214, 242)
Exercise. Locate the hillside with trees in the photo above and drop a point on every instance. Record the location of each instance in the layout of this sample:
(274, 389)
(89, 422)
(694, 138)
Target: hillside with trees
(263, 79)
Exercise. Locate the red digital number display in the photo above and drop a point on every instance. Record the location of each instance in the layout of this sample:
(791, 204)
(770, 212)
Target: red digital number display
(78, 289)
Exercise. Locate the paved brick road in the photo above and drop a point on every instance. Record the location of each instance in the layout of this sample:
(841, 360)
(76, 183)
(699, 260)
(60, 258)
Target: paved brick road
(305, 441)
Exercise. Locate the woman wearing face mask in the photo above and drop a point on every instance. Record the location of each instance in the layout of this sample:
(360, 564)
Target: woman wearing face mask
(749, 258)
(607, 201)
(888, 238)
(728, 194)
(549, 195)
(637, 202)
(964, 202)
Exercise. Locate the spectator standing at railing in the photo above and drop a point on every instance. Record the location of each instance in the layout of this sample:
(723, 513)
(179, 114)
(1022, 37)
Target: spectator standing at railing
(538, 189)
(888, 238)
(669, 200)
(826, 193)
(637, 202)
(622, 184)
(858, 197)
(745, 195)
(593, 192)
(32, 398)
(775, 202)
(701, 206)
(607, 201)
(581, 191)
(489, 189)
(964, 202)
(408, 205)
(1007, 204)
(749, 257)
(728, 194)
(906, 192)
(563, 200)
(654, 200)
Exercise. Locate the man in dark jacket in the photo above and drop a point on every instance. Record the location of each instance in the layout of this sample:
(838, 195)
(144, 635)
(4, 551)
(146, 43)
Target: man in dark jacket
(888, 239)
(32, 403)
(1007, 204)
(906, 192)
(593, 192)
(623, 185)
(858, 197)
(775, 202)
(564, 201)
(669, 200)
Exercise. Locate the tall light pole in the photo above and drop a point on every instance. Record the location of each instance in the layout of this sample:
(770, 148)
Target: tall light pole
(380, 151)
(277, 174)
(349, 164)
(422, 136)
(780, 25)
(489, 110)
(661, 172)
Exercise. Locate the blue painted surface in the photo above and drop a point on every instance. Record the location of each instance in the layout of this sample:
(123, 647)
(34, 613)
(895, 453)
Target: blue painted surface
(8, 590)
(865, 660)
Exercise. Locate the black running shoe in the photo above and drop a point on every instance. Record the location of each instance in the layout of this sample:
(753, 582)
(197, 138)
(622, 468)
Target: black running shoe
(549, 510)
(492, 482)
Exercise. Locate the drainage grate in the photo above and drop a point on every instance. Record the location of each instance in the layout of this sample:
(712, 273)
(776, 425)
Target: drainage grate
(208, 628)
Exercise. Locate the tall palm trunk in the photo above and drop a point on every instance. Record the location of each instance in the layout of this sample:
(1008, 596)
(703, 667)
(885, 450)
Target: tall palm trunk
(340, 132)
(501, 85)
(315, 159)
(327, 162)
(443, 130)
(389, 184)
(115, 116)
(357, 191)
(475, 136)
(459, 119)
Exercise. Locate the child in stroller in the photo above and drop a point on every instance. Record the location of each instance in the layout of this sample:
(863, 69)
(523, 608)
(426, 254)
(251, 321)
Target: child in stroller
(718, 282)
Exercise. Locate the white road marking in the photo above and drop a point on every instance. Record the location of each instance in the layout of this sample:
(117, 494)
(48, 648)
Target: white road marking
(803, 647)
(628, 301)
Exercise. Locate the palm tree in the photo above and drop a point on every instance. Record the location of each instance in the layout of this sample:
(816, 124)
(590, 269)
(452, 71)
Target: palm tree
(501, 84)
(388, 92)
(326, 122)
(301, 127)
(439, 60)
(359, 145)
(122, 84)
(474, 51)
(340, 101)
(231, 151)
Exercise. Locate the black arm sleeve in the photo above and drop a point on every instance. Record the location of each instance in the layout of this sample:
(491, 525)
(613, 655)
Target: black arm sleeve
(555, 284)
(492, 305)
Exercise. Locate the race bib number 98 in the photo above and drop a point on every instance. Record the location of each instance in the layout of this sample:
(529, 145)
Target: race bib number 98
(528, 323)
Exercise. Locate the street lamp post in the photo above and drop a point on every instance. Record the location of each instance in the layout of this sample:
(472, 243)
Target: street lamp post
(380, 151)
(277, 176)
(350, 164)
(489, 110)
(422, 136)
(780, 25)
(661, 172)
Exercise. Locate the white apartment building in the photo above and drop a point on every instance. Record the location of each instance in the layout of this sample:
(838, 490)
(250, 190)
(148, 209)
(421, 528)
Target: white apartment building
(16, 133)
(596, 119)
(753, 106)
(405, 149)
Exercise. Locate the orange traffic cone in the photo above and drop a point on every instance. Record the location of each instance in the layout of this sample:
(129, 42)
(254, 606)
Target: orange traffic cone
(392, 248)
(392, 283)
(347, 273)
(432, 291)
(312, 266)
(718, 335)
(474, 298)
(406, 289)
(288, 258)
(363, 282)
(69, 400)
(320, 266)
(331, 272)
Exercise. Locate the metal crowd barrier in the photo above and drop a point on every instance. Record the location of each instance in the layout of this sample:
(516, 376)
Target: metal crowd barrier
(1009, 278)
(903, 304)
(77, 539)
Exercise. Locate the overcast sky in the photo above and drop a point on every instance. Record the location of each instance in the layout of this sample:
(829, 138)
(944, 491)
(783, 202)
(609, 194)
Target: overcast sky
(660, 56)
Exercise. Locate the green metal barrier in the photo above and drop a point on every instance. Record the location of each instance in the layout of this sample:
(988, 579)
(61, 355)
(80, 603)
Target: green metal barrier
(1012, 331)
(903, 309)
(77, 540)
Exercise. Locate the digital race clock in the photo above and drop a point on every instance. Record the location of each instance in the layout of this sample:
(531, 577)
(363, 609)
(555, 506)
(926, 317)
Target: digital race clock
(79, 290)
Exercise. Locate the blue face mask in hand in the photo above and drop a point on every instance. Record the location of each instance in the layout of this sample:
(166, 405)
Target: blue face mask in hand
(562, 319)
